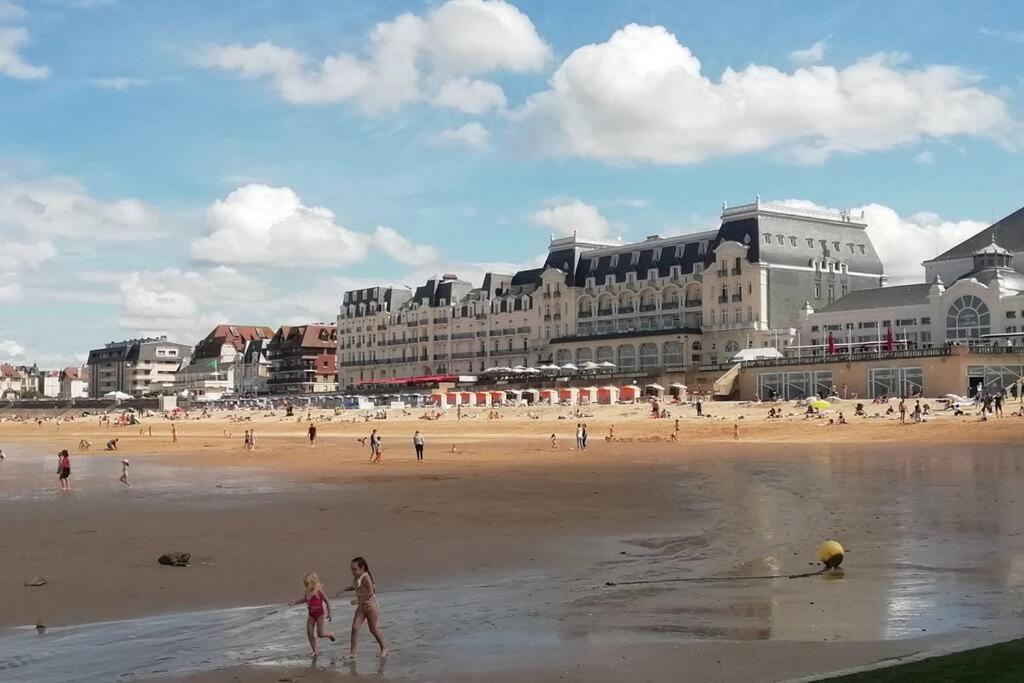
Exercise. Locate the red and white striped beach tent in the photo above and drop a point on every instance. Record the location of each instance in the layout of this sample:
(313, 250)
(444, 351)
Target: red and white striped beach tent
(588, 395)
(497, 398)
(468, 398)
(607, 395)
(549, 396)
(568, 395)
(483, 398)
(630, 392)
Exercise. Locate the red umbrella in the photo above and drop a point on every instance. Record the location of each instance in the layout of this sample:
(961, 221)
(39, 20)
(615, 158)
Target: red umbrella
(831, 344)
(889, 344)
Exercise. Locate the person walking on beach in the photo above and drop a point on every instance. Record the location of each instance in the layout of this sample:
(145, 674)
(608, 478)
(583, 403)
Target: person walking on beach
(417, 443)
(248, 442)
(367, 606)
(312, 434)
(554, 442)
(124, 474)
(584, 436)
(374, 445)
(998, 402)
(64, 470)
(378, 454)
(252, 439)
(318, 606)
(579, 436)
(174, 433)
(903, 412)
(697, 405)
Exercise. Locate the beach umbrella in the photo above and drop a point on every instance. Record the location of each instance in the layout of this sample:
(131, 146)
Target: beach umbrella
(548, 368)
(519, 368)
(656, 387)
(117, 395)
(606, 365)
(570, 367)
(820, 404)
(589, 365)
(531, 370)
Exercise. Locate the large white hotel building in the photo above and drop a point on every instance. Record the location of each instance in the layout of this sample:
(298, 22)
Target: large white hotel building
(660, 303)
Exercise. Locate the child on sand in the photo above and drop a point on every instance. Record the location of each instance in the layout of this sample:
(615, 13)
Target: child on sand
(64, 470)
(378, 453)
(316, 602)
(554, 442)
(367, 606)
(312, 434)
(124, 474)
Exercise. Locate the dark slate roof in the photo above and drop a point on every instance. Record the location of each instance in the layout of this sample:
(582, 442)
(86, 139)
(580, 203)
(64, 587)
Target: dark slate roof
(1009, 233)
(877, 297)
(1011, 279)
(527, 277)
(598, 263)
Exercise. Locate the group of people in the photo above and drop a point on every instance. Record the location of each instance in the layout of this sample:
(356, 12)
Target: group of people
(318, 608)
(64, 471)
(250, 439)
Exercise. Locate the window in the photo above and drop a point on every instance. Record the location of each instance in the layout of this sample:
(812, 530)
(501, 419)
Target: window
(906, 322)
(835, 246)
(850, 245)
(831, 292)
(967, 318)
(657, 254)
(1011, 314)
(810, 243)
(926, 321)
(767, 238)
(817, 291)
(702, 248)
(782, 240)
(845, 289)
(792, 241)
(861, 247)
(615, 260)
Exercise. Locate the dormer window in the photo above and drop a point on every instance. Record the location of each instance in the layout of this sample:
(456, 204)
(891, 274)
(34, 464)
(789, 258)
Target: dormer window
(792, 241)
(835, 245)
(702, 248)
(615, 260)
(861, 247)
(767, 238)
(782, 241)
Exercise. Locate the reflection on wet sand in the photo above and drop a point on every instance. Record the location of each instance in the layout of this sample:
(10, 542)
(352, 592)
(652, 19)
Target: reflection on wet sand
(920, 528)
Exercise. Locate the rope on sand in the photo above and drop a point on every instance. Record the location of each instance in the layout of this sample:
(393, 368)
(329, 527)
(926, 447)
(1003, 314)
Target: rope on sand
(718, 578)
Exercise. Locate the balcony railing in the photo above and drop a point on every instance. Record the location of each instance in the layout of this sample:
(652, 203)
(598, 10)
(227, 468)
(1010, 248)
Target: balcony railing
(693, 303)
(585, 314)
(737, 297)
(604, 311)
(722, 272)
(669, 305)
(736, 271)
(723, 299)
(625, 309)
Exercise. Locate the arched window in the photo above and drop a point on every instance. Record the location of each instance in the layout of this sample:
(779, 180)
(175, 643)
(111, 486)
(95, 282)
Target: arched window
(695, 346)
(671, 354)
(563, 356)
(626, 356)
(967, 318)
(584, 354)
(604, 353)
(648, 356)
(732, 347)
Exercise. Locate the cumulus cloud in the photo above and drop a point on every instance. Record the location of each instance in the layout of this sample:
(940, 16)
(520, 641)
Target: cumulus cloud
(10, 288)
(402, 249)
(573, 216)
(258, 224)
(10, 349)
(470, 96)
(641, 96)
(31, 255)
(472, 135)
(905, 242)
(812, 55)
(404, 58)
(11, 63)
(60, 207)
(924, 157)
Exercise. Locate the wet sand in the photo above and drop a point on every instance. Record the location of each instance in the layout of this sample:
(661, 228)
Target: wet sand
(492, 561)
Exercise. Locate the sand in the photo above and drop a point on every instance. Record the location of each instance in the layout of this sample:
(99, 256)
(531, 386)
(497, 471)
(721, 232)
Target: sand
(492, 560)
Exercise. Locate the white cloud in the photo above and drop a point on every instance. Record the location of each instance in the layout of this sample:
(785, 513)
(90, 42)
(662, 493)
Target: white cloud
(472, 135)
(11, 63)
(470, 96)
(119, 82)
(16, 255)
(405, 57)
(812, 55)
(10, 349)
(10, 288)
(573, 216)
(1011, 36)
(145, 300)
(9, 11)
(61, 207)
(258, 224)
(402, 250)
(641, 96)
(924, 157)
(904, 242)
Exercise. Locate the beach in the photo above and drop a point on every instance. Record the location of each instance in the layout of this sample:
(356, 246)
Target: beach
(492, 561)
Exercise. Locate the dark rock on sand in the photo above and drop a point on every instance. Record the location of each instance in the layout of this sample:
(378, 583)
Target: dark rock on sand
(175, 559)
(36, 581)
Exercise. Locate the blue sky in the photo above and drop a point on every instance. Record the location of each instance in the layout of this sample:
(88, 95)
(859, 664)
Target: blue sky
(167, 166)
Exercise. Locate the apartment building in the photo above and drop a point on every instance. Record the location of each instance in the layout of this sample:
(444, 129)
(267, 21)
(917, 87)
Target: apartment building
(74, 382)
(662, 302)
(217, 366)
(303, 360)
(136, 366)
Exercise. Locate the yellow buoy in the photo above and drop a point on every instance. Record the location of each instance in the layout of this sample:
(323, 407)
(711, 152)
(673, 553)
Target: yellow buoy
(831, 554)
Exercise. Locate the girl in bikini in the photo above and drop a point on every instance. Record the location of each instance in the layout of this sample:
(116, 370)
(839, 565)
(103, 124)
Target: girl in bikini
(317, 603)
(367, 607)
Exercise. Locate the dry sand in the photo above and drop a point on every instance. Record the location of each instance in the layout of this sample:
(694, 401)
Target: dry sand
(492, 560)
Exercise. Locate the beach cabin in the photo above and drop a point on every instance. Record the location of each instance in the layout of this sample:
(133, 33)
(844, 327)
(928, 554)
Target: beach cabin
(587, 395)
(630, 392)
(549, 396)
(497, 398)
(483, 398)
(568, 395)
(531, 396)
(607, 395)
(440, 400)
(655, 390)
(453, 398)
(677, 391)
(467, 398)
(514, 396)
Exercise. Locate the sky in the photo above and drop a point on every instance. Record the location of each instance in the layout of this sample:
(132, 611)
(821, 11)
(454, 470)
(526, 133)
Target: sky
(168, 166)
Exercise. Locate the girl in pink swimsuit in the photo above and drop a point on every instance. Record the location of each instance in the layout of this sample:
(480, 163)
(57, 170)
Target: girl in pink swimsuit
(367, 607)
(317, 603)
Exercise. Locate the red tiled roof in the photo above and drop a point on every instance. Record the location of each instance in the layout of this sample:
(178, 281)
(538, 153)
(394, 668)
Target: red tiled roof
(236, 335)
